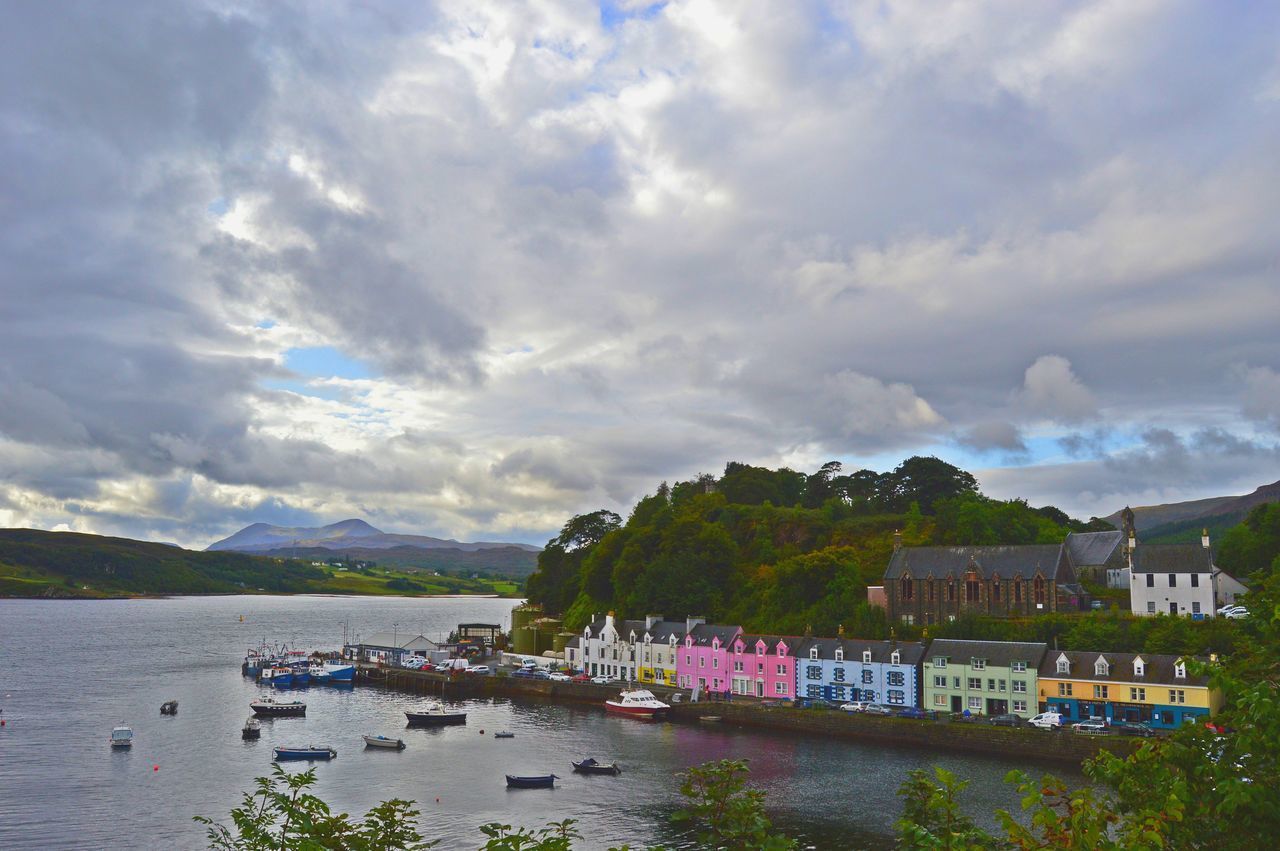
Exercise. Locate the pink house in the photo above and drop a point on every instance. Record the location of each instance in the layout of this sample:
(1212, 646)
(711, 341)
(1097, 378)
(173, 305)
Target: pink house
(703, 657)
(763, 666)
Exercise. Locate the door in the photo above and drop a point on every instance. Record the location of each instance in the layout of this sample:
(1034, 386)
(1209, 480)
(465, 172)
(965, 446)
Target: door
(1173, 608)
(997, 707)
(956, 704)
(759, 688)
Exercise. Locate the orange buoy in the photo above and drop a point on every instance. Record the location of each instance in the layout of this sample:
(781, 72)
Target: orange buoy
(155, 768)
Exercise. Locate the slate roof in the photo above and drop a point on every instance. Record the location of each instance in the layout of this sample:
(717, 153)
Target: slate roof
(770, 642)
(661, 632)
(997, 653)
(909, 652)
(1172, 558)
(1092, 548)
(1007, 561)
(703, 633)
(1159, 668)
(576, 641)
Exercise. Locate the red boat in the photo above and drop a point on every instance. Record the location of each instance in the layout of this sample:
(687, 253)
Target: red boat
(640, 704)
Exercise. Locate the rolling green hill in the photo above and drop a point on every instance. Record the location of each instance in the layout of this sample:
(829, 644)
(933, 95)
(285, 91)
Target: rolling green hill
(35, 563)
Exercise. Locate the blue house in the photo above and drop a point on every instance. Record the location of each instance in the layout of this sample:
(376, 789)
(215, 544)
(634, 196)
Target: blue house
(840, 669)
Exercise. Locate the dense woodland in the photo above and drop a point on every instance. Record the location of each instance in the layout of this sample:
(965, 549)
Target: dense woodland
(781, 551)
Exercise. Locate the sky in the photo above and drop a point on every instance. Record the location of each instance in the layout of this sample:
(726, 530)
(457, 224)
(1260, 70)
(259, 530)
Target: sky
(466, 269)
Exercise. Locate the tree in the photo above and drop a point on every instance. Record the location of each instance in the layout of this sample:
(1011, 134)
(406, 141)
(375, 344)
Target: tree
(1252, 548)
(925, 480)
(726, 812)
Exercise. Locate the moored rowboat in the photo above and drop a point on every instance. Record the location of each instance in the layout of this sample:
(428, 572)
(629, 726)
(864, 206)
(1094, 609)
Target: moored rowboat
(384, 742)
(311, 752)
(534, 781)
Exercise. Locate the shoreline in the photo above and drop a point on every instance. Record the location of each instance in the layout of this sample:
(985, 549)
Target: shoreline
(170, 595)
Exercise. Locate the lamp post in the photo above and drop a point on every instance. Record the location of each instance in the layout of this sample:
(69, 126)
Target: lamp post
(395, 641)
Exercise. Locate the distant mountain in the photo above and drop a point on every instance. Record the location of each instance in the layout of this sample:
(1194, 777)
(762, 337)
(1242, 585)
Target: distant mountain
(1183, 520)
(263, 538)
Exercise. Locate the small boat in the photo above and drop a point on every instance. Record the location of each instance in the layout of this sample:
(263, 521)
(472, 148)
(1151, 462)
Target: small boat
(271, 707)
(169, 707)
(278, 676)
(710, 719)
(336, 672)
(640, 704)
(121, 737)
(590, 766)
(435, 715)
(534, 781)
(384, 742)
(251, 730)
(505, 734)
(312, 752)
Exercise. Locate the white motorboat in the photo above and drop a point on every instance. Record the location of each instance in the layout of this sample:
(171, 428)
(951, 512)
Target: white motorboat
(122, 737)
(384, 742)
(640, 704)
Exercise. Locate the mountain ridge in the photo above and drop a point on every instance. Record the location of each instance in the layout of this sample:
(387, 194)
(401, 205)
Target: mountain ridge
(1216, 511)
(262, 538)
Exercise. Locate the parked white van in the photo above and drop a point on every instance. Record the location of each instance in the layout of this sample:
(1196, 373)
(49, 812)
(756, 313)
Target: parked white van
(1047, 720)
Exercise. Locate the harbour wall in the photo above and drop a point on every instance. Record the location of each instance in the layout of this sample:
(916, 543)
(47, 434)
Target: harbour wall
(971, 737)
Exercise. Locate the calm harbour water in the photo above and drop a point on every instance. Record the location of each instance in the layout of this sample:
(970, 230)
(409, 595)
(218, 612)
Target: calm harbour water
(71, 670)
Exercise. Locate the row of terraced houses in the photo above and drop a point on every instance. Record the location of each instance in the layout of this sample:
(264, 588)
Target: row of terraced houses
(947, 675)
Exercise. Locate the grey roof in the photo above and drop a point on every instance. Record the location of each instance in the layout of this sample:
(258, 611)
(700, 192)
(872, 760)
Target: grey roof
(576, 641)
(661, 632)
(771, 642)
(1172, 558)
(1006, 561)
(703, 633)
(1092, 548)
(1159, 668)
(400, 640)
(997, 653)
(909, 652)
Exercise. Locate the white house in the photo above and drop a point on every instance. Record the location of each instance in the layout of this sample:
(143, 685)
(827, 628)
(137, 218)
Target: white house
(609, 649)
(1179, 579)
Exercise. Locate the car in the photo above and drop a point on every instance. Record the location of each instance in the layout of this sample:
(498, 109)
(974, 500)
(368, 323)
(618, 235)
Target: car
(478, 669)
(878, 709)
(581, 678)
(1047, 720)
(1008, 719)
(855, 706)
(1229, 607)
(1238, 613)
(528, 665)
(1092, 728)
(524, 673)
(602, 679)
(916, 713)
(1133, 728)
(559, 676)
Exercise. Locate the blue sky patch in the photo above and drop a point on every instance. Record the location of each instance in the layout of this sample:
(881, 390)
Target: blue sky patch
(324, 362)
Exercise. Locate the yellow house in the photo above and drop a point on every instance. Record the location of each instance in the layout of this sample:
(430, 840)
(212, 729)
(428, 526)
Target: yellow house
(656, 650)
(1153, 689)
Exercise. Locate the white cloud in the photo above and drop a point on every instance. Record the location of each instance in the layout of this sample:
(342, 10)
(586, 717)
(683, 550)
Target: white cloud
(1051, 390)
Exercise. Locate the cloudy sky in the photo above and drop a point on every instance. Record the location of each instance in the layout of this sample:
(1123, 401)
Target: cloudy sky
(468, 268)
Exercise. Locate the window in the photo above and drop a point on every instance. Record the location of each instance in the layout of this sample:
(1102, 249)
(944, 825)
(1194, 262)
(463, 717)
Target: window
(1019, 706)
(813, 653)
(702, 661)
(1019, 686)
(939, 661)
(1151, 607)
(1139, 668)
(995, 590)
(1099, 692)
(1017, 590)
(1018, 667)
(978, 664)
(760, 668)
(951, 590)
(1003, 685)
(975, 684)
(715, 662)
(1195, 580)
(991, 685)
(1151, 580)
(895, 658)
(928, 589)
(1101, 668)
(839, 654)
(955, 682)
(1039, 589)
(866, 657)
(813, 672)
(1180, 670)
(1064, 666)
(1177, 695)
(688, 660)
(1173, 580)
(866, 677)
(782, 670)
(939, 682)
(896, 678)
(839, 675)
(908, 619)
(1064, 689)
(975, 703)
(781, 649)
(759, 649)
(779, 688)
(813, 691)
(737, 666)
(939, 700)
(1195, 607)
(971, 591)
(1136, 694)
(838, 692)
(908, 590)
(895, 697)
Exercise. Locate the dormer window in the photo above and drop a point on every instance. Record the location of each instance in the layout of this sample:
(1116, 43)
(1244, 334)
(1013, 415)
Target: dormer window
(895, 658)
(782, 649)
(1180, 670)
(866, 657)
(939, 661)
(1101, 668)
(839, 654)
(1139, 667)
(813, 653)
(759, 648)
(978, 664)
(1064, 665)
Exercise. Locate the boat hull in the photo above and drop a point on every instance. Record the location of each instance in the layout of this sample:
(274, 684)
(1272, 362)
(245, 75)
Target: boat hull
(383, 742)
(341, 674)
(432, 719)
(547, 781)
(590, 767)
(284, 754)
(634, 711)
(273, 710)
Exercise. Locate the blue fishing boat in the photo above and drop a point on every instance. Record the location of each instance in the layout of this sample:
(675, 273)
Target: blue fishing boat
(277, 675)
(340, 672)
(311, 752)
(531, 781)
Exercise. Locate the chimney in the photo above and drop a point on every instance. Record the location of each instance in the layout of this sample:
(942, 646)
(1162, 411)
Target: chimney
(897, 540)
(1204, 537)
(840, 630)
(808, 630)
(608, 621)
(650, 620)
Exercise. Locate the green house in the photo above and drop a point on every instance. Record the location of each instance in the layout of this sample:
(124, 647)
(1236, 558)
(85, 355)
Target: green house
(982, 677)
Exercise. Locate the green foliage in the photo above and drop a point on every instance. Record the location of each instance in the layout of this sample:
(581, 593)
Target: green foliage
(556, 836)
(725, 812)
(932, 817)
(282, 815)
(1253, 547)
